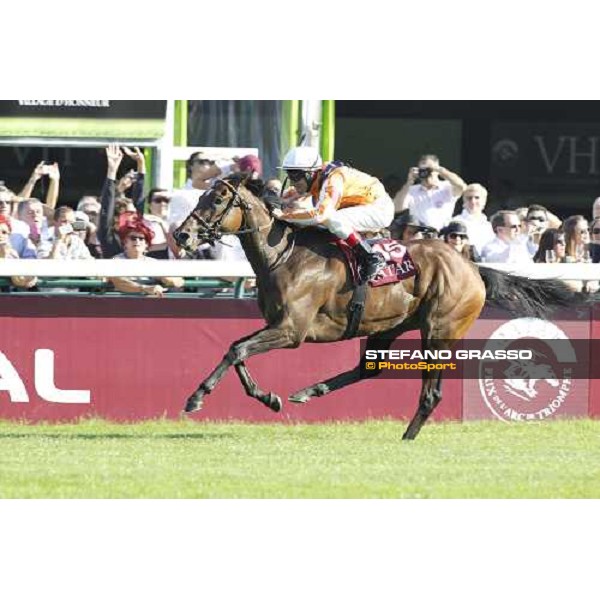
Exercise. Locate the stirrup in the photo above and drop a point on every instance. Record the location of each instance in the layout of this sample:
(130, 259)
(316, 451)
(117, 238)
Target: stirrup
(370, 266)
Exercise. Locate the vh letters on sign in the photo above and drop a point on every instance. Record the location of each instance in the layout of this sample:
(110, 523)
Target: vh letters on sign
(11, 382)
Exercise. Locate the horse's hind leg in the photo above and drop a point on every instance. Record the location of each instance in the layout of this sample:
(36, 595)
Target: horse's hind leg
(453, 328)
(375, 342)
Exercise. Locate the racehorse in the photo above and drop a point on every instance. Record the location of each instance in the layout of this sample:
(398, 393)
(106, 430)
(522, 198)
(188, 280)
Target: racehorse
(304, 288)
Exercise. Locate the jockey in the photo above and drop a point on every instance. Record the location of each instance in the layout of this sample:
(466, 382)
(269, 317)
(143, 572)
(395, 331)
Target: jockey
(341, 199)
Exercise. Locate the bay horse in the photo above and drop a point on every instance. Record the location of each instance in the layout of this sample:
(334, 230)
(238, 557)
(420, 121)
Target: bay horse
(304, 287)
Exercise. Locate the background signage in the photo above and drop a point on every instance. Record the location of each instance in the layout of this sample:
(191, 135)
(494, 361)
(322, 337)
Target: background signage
(83, 118)
(545, 157)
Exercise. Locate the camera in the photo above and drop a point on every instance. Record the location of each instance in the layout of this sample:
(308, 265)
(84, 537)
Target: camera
(65, 229)
(424, 173)
(79, 226)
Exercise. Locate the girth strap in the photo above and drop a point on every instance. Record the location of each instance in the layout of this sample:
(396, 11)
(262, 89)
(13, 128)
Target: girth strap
(355, 310)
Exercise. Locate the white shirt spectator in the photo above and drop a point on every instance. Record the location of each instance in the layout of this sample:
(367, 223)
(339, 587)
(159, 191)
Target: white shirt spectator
(157, 225)
(498, 251)
(479, 229)
(184, 200)
(432, 207)
(231, 252)
(532, 247)
(183, 203)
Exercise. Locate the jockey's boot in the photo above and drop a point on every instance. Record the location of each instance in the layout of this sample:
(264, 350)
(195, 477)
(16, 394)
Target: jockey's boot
(369, 262)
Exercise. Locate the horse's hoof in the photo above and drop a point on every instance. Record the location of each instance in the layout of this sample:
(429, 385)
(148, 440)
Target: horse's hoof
(273, 401)
(320, 389)
(194, 403)
(301, 397)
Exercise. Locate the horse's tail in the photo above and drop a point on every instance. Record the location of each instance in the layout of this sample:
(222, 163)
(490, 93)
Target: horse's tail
(529, 297)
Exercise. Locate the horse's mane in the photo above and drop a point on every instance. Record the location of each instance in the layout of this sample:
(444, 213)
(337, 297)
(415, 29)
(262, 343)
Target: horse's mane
(254, 186)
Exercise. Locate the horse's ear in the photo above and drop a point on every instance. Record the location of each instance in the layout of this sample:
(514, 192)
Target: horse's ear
(256, 186)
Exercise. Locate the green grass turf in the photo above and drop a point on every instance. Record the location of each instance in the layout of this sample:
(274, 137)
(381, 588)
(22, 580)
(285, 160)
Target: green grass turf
(170, 459)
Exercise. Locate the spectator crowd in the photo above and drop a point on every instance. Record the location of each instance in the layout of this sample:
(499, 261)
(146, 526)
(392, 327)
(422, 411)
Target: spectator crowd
(125, 224)
(120, 223)
(426, 206)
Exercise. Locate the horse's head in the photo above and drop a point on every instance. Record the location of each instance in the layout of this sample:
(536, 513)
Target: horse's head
(220, 210)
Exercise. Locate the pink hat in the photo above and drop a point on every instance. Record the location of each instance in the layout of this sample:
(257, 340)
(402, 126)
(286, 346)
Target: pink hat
(131, 222)
(250, 163)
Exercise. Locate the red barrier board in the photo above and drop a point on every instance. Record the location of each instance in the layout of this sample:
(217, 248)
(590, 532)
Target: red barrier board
(594, 407)
(133, 359)
(140, 358)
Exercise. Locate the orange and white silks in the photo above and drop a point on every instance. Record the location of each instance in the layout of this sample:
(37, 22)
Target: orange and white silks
(348, 200)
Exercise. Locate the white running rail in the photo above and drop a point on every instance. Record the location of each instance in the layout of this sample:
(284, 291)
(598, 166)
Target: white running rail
(220, 268)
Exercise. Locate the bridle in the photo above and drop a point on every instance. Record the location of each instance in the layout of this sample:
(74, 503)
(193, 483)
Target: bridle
(212, 232)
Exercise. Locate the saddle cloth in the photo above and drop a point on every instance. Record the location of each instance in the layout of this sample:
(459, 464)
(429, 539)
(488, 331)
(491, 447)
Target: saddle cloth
(399, 264)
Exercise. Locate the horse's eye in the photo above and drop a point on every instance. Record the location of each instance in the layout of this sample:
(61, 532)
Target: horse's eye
(219, 201)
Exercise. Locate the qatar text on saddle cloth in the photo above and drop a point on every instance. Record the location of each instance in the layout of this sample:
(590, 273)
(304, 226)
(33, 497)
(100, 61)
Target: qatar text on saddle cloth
(399, 264)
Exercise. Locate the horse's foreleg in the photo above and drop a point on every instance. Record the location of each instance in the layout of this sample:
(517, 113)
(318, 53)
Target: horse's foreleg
(348, 377)
(194, 402)
(257, 343)
(269, 399)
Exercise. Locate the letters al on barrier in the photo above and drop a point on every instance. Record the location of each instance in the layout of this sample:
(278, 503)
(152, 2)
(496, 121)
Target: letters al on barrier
(12, 383)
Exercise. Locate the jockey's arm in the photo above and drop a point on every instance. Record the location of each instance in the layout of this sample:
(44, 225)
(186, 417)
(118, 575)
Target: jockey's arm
(329, 198)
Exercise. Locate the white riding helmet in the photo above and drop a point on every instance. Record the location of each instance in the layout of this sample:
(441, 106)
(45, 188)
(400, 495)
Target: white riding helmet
(302, 158)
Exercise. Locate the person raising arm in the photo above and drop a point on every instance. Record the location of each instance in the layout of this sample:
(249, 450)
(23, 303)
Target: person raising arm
(429, 199)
